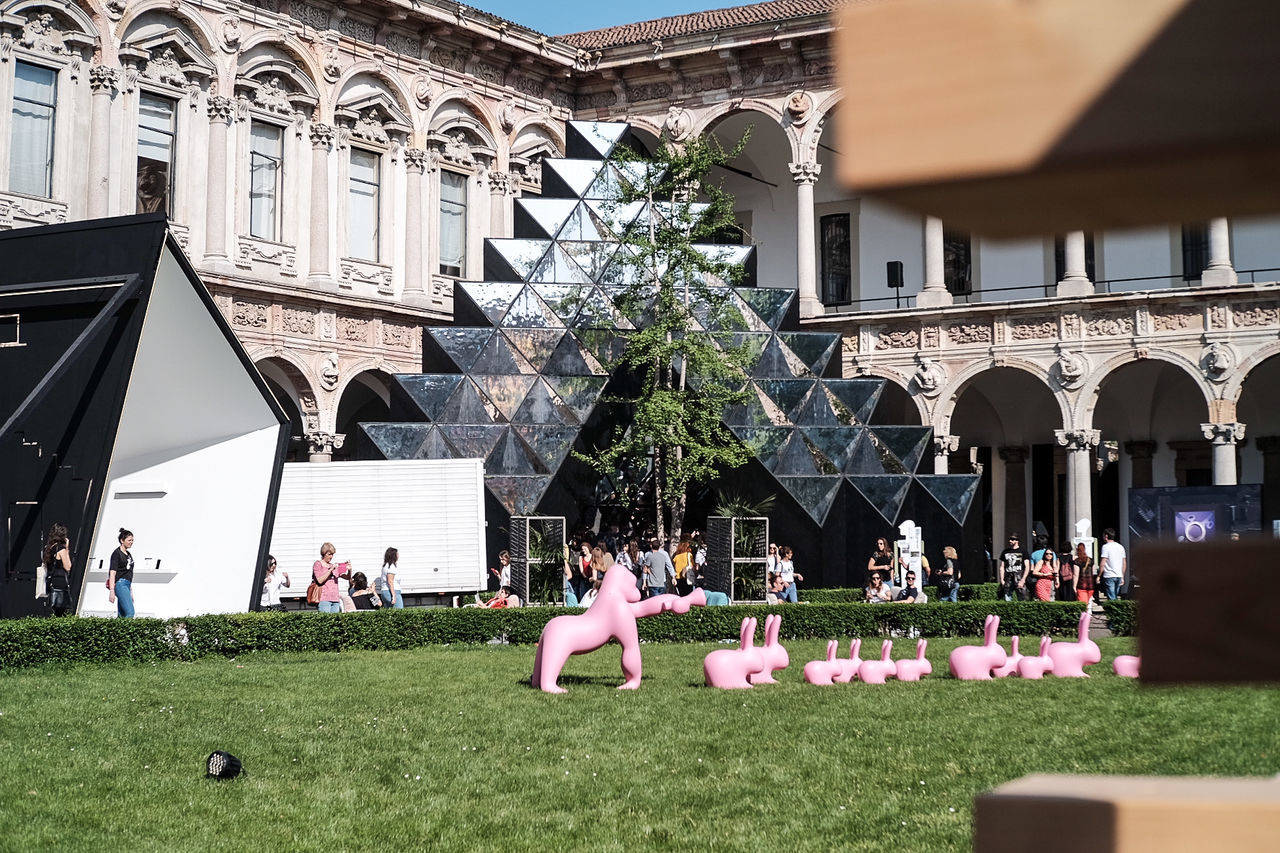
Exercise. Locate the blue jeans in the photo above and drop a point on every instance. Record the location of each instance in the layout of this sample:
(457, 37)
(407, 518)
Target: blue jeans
(331, 607)
(656, 590)
(953, 596)
(789, 594)
(398, 604)
(1112, 587)
(124, 598)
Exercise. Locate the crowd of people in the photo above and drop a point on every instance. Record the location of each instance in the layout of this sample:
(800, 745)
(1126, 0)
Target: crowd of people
(657, 570)
(335, 586)
(1068, 574)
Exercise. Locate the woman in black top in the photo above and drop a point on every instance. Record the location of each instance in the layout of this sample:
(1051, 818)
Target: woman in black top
(362, 595)
(57, 566)
(881, 559)
(120, 578)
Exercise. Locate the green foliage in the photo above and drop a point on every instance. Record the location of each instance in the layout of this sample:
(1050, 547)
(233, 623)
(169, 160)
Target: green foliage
(1122, 617)
(968, 592)
(31, 642)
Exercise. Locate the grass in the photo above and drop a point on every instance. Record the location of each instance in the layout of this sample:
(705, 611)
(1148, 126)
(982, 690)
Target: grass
(448, 748)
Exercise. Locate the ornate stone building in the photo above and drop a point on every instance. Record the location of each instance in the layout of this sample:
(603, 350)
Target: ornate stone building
(333, 169)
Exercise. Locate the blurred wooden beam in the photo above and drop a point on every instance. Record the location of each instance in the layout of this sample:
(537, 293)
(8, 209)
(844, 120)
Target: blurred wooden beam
(1023, 117)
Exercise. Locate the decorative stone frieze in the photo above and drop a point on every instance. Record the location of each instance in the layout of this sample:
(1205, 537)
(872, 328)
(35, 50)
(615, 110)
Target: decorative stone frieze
(249, 315)
(1249, 316)
(1107, 326)
(298, 321)
(969, 333)
(899, 338)
(17, 211)
(1175, 320)
(250, 251)
(356, 330)
(353, 272)
(1038, 329)
(930, 337)
(398, 335)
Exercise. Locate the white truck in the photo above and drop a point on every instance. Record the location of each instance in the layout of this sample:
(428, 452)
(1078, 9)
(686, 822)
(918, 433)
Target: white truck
(431, 510)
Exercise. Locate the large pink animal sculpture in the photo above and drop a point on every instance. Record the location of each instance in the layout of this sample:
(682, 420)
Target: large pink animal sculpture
(849, 666)
(1070, 659)
(878, 671)
(1127, 666)
(729, 669)
(911, 669)
(612, 616)
(1011, 662)
(974, 663)
(774, 653)
(824, 671)
(1033, 666)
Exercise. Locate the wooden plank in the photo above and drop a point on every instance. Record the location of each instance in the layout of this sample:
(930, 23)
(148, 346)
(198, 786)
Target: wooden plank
(1012, 118)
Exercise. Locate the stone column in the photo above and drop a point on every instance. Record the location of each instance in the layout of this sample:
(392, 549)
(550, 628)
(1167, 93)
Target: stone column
(1270, 448)
(1080, 444)
(322, 136)
(1075, 277)
(1140, 460)
(1219, 273)
(1224, 438)
(943, 447)
(322, 445)
(1015, 490)
(500, 188)
(102, 83)
(806, 175)
(415, 161)
(935, 293)
(221, 110)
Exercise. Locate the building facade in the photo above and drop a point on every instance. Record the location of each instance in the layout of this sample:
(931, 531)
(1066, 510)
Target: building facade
(333, 170)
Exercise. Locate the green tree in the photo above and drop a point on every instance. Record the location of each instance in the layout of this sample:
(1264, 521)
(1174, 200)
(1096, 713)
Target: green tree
(682, 356)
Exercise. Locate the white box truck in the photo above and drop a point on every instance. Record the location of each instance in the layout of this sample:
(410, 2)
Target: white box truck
(431, 510)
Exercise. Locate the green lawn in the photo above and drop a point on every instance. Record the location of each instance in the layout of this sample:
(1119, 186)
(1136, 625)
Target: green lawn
(448, 748)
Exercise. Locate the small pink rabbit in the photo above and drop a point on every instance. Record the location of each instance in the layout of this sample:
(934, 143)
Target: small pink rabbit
(1031, 666)
(773, 653)
(1070, 659)
(974, 663)
(822, 671)
(910, 669)
(1011, 662)
(878, 671)
(849, 667)
(729, 668)
(1127, 666)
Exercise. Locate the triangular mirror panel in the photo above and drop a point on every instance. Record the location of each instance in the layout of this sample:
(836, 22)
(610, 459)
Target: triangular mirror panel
(528, 311)
(855, 398)
(775, 364)
(543, 406)
(835, 442)
(551, 443)
(769, 303)
(599, 312)
(872, 456)
(536, 345)
(605, 344)
(908, 443)
(816, 409)
(462, 346)
(594, 138)
(506, 391)
(518, 495)
(563, 299)
(511, 259)
(499, 357)
(814, 349)
(786, 393)
(954, 491)
(763, 442)
(558, 267)
(581, 225)
(592, 258)
(467, 405)
(563, 178)
(814, 494)
(885, 492)
(569, 360)
(579, 393)
(472, 441)
(492, 297)
(796, 459)
(398, 441)
(512, 457)
(614, 215)
(429, 391)
(547, 215)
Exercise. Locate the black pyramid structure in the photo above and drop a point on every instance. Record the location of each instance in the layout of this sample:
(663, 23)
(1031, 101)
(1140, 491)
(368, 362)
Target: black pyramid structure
(519, 390)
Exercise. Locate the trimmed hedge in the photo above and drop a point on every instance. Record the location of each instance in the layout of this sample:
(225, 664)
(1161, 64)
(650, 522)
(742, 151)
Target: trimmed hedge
(1122, 617)
(31, 642)
(968, 592)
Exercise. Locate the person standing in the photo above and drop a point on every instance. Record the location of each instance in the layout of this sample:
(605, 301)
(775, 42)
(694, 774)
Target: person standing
(503, 572)
(681, 563)
(947, 578)
(271, 584)
(1045, 575)
(1084, 574)
(881, 559)
(788, 575)
(657, 568)
(389, 589)
(57, 568)
(1114, 564)
(325, 573)
(120, 576)
(1066, 575)
(1012, 569)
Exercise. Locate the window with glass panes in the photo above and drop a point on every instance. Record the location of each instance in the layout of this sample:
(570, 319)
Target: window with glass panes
(157, 130)
(35, 97)
(266, 161)
(837, 258)
(453, 223)
(362, 204)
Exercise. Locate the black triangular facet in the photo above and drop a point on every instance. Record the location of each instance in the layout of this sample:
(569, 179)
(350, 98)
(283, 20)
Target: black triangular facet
(885, 492)
(814, 349)
(429, 391)
(511, 457)
(512, 260)
(518, 495)
(769, 303)
(506, 392)
(466, 405)
(908, 443)
(461, 346)
(594, 139)
(397, 441)
(856, 398)
(814, 494)
(541, 218)
(472, 441)
(954, 491)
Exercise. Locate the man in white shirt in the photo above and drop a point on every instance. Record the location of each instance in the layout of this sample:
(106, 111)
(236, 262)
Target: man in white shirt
(1114, 565)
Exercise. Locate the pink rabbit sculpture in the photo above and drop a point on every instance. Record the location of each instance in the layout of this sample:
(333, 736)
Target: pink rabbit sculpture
(612, 616)
(974, 663)
(1070, 659)
(728, 668)
(878, 671)
(1011, 662)
(823, 671)
(849, 666)
(911, 669)
(1032, 666)
(1127, 666)
(774, 653)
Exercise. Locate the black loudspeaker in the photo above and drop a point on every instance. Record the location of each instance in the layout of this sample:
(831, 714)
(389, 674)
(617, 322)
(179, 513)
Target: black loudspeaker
(893, 272)
(222, 765)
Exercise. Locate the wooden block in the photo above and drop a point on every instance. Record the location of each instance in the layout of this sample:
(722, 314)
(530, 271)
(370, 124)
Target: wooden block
(1013, 118)
(1207, 612)
(1128, 814)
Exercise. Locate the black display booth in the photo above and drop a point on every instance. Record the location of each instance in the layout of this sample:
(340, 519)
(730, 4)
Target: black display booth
(520, 382)
(128, 402)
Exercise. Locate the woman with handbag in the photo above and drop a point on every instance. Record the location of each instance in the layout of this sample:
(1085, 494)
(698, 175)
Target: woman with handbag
(57, 565)
(324, 574)
(948, 577)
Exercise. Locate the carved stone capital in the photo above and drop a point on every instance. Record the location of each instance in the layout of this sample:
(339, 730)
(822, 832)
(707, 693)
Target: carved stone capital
(221, 109)
(1140, 449)
(415, 160)
(1223, 433)
(1078, 439)
(500, 183)
(805, 173)
(322, 135)
(325, 442)
(943, 444)
(103, 79)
